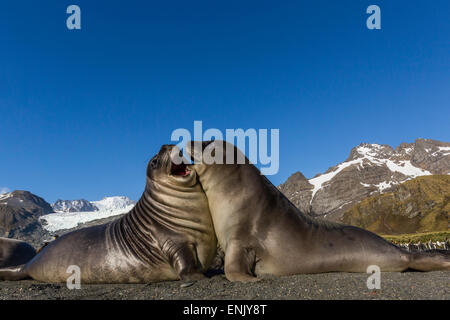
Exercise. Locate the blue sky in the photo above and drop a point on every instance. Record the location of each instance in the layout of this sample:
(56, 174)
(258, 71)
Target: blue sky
(81, 112)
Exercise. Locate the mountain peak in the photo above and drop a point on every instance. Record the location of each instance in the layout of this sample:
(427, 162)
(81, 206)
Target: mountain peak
(371, 150)
(19, 213)
(113, 203)
(25, 199)
(371, 168)
(80, 205)
(297, 176)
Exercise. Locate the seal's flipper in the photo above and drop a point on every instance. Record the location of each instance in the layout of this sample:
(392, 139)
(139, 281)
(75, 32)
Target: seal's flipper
(189, 279)
(184, 260)
(430, 260)
(13, 273)
(239, 263)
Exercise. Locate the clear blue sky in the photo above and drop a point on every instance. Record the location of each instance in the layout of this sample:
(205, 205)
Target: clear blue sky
(81, 112)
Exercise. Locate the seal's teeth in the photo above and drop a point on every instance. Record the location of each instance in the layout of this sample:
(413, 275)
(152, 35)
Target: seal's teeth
(179, 170)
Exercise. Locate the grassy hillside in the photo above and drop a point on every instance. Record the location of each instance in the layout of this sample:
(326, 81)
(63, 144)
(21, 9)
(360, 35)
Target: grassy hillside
(416, 206)
(416, 237)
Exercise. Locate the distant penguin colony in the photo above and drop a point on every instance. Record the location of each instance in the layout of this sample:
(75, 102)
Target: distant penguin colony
(419, 246)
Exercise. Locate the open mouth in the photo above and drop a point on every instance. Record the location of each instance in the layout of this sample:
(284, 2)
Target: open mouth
(179, 170)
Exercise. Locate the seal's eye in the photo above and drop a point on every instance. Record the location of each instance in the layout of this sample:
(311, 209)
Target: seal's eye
(154, 163)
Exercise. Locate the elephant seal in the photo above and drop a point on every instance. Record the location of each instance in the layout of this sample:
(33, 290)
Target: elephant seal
(14, 252)
(262, 232)
(168, 235)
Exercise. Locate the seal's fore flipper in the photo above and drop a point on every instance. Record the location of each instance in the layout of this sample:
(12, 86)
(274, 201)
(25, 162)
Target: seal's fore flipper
(239, 263)
(184, 260)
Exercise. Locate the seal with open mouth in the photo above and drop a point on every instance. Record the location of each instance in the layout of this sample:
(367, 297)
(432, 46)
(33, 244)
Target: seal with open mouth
(262, 232)
(168, 235)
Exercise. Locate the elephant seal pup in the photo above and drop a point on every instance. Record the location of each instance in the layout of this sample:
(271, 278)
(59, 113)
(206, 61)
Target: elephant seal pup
(168, 235)
(262, 232)
(14, 252)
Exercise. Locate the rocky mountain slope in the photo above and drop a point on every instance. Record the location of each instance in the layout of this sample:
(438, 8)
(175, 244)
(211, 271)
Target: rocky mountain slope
(19, 216)
(418, 205)
(370, 169)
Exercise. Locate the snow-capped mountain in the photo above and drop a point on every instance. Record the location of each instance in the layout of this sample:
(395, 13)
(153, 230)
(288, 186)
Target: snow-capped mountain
(370, 169)
(106, 204)
(107, 207)
(73, 206)
(113, 203)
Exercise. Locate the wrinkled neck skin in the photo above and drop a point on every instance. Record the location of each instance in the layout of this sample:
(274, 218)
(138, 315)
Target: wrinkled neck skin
(166, 211)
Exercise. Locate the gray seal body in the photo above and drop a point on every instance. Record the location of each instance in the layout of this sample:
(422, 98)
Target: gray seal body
(262, 232)
(168, 235)
(14, 252)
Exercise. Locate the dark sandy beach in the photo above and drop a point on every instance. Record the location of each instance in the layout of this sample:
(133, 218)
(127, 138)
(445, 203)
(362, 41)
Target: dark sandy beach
(398, 286)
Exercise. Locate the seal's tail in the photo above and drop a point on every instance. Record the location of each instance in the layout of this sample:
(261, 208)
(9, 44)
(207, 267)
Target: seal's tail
(13, 273)
(430, 260)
